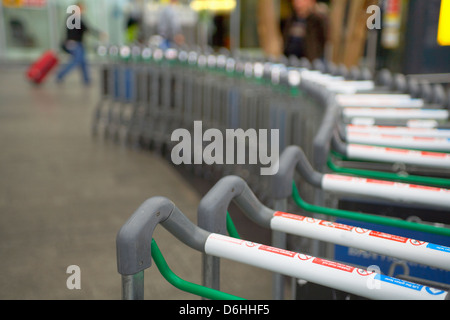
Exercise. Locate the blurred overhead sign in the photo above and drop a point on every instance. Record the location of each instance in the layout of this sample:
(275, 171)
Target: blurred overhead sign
(444, 24)
(24, 3)
(213, 5)
(392, 23)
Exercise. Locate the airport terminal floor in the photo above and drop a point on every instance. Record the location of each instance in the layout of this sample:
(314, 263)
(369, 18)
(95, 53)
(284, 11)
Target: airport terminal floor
(64, 195)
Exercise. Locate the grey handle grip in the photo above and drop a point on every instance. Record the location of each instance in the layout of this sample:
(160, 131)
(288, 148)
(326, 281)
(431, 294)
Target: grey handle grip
(133, 241)
(321, 143)
(338, 145)
(213, 206)
(293, 158)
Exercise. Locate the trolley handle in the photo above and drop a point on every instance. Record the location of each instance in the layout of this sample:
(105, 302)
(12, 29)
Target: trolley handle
(293, 158)
(338, 145)
(301, 226)
(332, 112)
(213, 207)
(133, 241)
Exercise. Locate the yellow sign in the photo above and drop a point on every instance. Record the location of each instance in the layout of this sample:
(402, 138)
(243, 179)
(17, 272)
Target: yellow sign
(213, 5)
(12, 3)
(24, 3)
(444, 24)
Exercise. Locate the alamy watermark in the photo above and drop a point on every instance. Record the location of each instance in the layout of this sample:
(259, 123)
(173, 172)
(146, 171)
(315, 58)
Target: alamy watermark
(237, 144)
(374, 283)
(374, 21)
(74, 280)
(74, 20)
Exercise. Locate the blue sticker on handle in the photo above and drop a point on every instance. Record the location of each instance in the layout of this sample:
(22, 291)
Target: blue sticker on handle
(438, 247)
(399, 282)
(434, 292)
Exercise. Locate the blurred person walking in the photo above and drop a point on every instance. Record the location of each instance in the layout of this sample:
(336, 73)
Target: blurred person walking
(169, 27)
(305, 33)
(74, 46)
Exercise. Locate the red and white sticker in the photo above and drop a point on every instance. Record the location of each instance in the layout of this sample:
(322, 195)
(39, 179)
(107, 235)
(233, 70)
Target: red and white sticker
(304, 257)
(279, 251)
(289, 216)
(361, 230)
(350, 179)
(435, 154)
(417, 242)
(388, 236)
(363, 272)
(335, 225)
(381, 182)
(420, 187)
(227, 239)
(400, 151)
(333, 264)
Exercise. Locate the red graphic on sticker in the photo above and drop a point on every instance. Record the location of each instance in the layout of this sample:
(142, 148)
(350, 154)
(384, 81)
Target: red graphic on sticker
(390, 183)
(363, 272)
(391, 136)
(415, 186)
(416, 242)
(335, 225)
(250, 244)
(339, 178)
(289, 216)
(278, 251)
(388, 236)
(334, 265)
(433, 154)
(361, 230)
(425, 139)
(393, 150)
(304, 257)
(227, 239)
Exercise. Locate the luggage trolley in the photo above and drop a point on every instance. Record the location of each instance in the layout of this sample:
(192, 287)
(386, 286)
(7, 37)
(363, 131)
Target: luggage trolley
(398, 154)
(391, 108)
(153, 113)
(293, 159)
(107, 95)
(122, 77)
(134, 255)
(428, 139)
(213, 206)
(388, 144)
(135, 92)
(390, 163)
(364, 152)
(140, 112)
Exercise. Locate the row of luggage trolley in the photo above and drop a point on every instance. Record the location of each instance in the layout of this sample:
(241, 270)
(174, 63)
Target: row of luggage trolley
(364, 170)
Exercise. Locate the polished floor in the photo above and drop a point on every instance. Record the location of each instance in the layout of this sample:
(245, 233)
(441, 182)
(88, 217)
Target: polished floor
(64, 195)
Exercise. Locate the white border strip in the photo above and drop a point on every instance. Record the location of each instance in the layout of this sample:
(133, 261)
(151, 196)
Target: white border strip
(395, 191)
(395, 155)
(324, 272)
(387, 244)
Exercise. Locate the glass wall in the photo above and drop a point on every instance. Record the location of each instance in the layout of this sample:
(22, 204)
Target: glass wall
(29, 27)
(25, 30)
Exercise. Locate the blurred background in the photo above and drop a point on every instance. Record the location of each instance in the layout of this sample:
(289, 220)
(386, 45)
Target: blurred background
(406, 42)
(64, 195)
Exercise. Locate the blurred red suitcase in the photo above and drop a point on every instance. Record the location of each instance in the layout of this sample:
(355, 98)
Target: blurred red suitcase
(40, 69)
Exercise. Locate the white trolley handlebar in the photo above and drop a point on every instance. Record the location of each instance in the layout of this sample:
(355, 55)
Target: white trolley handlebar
(293, 158)
(134, 252)
(385, 154)
(321, 271)
(387, 190)
(383, 243)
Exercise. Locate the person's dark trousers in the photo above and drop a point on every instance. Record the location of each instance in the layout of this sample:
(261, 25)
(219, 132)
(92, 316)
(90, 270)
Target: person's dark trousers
(78, 59)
